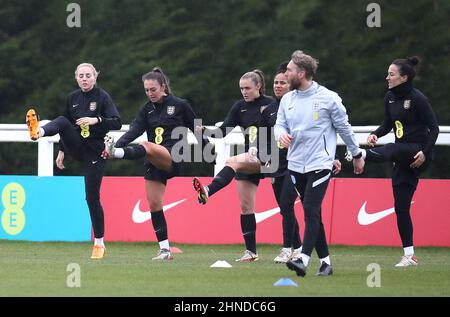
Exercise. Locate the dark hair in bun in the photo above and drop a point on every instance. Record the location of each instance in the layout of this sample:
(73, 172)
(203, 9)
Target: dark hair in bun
(413, 60)
(281, 69)
(407, 66)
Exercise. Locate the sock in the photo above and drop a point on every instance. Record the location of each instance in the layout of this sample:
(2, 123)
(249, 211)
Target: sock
(298, 250)
(222, 179)
(364, 154)
(41, 132)
(159, 225)
(409, 251)
(99, 241)
(305, 259)
(164, 244)
(326, 260)
(248, 226)
(134, 152)
(119, 153)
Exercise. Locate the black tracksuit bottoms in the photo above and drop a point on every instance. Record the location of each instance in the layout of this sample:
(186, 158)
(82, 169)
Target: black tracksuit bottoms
(404, 181)
(286, 195)
(312, 187)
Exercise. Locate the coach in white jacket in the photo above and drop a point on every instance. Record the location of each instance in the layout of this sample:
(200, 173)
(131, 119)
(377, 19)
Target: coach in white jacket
(308, 120)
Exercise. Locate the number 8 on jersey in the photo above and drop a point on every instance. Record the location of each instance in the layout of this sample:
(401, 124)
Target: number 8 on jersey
(159, 132)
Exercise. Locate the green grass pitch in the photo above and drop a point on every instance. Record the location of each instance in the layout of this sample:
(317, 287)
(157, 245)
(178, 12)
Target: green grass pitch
(41, 269)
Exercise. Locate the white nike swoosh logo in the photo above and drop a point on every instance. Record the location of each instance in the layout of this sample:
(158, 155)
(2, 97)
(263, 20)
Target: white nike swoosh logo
(140, 216)
(391, 101)
(244, 110)
(263, 215)
(272, 114)
(150, 111)
(94, 162)
(365, 219)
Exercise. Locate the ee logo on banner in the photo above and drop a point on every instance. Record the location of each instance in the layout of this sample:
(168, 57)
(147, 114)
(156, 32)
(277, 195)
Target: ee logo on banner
(13, 200)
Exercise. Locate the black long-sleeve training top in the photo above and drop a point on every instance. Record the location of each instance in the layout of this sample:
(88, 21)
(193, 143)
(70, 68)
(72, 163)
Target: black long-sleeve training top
(158, 120)
(409, 113)
(247, 115)
(96, 103)
(269, 118)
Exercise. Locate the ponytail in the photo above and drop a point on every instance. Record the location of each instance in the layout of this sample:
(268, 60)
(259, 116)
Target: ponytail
(158, 75)
(257, 76)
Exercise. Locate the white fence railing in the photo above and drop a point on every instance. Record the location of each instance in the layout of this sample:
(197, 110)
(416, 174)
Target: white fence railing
(223, 147)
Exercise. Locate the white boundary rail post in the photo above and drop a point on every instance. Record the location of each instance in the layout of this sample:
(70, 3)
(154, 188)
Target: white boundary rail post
(45, 153)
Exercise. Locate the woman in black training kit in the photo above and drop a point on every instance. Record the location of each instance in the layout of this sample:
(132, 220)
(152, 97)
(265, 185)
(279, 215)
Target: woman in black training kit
(282, 185)
(409, 113)
(246, 167)
(162, 114)
(89, 114)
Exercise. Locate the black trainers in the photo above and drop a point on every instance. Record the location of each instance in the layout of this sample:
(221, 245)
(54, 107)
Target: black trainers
(325, 270)
(297, 266)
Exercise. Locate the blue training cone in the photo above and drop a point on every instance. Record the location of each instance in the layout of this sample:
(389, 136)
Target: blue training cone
(285, 282)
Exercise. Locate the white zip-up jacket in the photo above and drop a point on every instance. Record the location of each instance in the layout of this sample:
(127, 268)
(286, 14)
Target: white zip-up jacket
(313, 117)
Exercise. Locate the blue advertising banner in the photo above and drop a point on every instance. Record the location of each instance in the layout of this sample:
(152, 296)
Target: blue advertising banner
(44, 209)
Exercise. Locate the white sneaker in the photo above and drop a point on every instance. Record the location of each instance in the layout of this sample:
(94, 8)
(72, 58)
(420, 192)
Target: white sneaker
(296, 254)
(410, 260)
(109, 150)
(163, 254)
(248, 256)
(284, 256)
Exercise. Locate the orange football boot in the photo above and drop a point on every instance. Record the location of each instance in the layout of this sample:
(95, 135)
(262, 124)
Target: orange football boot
(32, 120)
(98, 252)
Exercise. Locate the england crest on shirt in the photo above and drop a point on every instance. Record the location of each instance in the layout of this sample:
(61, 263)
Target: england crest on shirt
(93, 106)
(407, 104)
(170, 110)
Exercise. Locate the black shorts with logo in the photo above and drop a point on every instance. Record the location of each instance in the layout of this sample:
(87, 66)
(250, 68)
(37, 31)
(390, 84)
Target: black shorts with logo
(152, 173)
(253, 178)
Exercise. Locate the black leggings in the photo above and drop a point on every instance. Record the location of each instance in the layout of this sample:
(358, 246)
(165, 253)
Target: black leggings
(285, 194)
(312, 187)
(403, 195)
(93, 167)
(404, 181)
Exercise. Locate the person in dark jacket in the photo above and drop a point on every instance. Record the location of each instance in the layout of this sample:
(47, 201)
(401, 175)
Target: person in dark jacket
(89, 114)
(282, 186)
(407, 111)
(159, 118)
